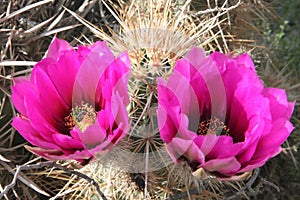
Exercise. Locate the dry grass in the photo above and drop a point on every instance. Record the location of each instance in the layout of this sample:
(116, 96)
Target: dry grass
(153, 38)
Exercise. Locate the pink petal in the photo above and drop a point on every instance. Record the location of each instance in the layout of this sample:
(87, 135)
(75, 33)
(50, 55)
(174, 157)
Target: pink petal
(90, 72)
(179, 148)
(104, 118)
(247, 103)
(166, 96)
(54, 155)
(280, 131)
(115, 78)
(243, 79)
(280, 107)
(219, 152)
(184, 129)
(180, 88)
(208, 143)
(46, 153)
(168, 112)
(67, 142)
(101, 149)
(221, 60)
(56, 47)
(48, 95)
(210, 89)
(226, 61)
(224, 166)
(167, 128)
(63, 74)
(84, 51)
(255, 163)
(119, 114)
(19, 90)
(183, 68)
(244, 60)
(253, 102)
(195, 56)
(93, 136)
(40, 120)
(32, 136)
(257, 125)
(249, 151)
(44, 64)
(75, 133)
(206, 82)
(117, 135)
(177, 93)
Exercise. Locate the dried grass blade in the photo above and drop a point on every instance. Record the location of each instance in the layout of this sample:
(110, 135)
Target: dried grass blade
(26, 8)
(92, 27)
(1, 190)
(17, 63)
(25, 180)
(56, 21)
(4, 159)
(54, 31)
(40, 25)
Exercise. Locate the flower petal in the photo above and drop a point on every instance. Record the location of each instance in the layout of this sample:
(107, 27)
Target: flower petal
(48, 95)
(245, 61)
(19, 90)
(32, 136)
(280, 131)
(166, 125)
(56, 47)
(206, 143)
(63, 74)
(118, 114)
(90, 72)
(179, 148)
(219, 152)
(115, 78)
(52, 154)
(206, 82)
(255, 163)
(67, 142)
(93, 136)
(195, 56)
(39, 119)
(280, 107)
(224, 166)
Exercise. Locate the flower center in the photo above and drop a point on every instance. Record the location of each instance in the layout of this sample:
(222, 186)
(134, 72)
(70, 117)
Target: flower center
(82, 116)
(69, 122)
(212, 126)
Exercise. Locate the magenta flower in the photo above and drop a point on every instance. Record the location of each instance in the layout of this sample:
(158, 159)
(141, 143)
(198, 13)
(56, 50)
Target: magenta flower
(74, 103)
(215, 114)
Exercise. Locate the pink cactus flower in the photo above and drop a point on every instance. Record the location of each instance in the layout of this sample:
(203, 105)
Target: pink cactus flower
(74, 104)
(215, 114)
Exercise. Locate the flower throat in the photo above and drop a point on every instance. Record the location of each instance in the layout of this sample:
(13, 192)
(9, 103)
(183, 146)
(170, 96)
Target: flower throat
(212, 126)
(82, 116)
